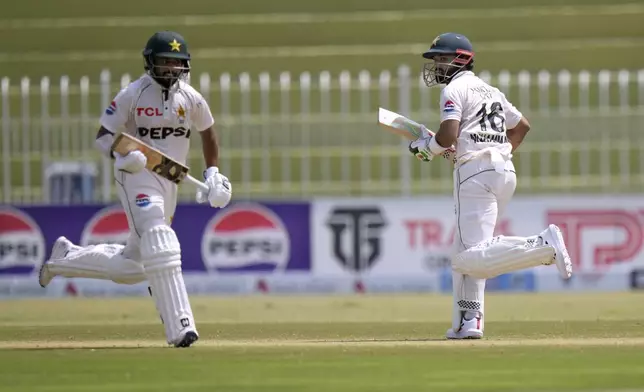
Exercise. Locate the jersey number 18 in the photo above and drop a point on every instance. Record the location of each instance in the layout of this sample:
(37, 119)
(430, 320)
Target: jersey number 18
(494, 117)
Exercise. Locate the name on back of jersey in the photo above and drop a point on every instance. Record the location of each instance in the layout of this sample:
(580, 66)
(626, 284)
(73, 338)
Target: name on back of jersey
(481, 137)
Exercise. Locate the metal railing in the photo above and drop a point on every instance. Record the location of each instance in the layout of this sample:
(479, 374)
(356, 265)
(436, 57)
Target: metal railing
(298, 136)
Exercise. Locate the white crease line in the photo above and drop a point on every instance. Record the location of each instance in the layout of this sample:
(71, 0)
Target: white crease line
(321, 343)
(334, 17)
(326, 50)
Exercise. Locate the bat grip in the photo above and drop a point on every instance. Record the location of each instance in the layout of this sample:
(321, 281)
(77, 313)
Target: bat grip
(197, 183)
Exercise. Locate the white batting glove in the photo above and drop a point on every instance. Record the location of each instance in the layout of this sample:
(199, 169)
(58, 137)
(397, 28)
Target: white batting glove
(133, 162)
(420, 146)
(420, 149)
(220, 190)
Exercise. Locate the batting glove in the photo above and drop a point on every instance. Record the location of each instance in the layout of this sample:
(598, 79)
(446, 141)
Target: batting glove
(420, 149)
(220, 190)
(133, 162)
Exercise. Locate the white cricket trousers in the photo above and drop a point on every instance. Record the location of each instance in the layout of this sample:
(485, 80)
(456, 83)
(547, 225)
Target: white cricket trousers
(148, 201)
(482, 190)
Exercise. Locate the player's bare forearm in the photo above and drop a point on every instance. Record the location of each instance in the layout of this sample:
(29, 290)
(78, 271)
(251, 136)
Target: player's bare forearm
(210, 147)
(517, 134)
(447, 133)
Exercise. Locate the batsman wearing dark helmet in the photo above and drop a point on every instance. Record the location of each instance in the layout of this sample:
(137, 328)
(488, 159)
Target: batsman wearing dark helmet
(485, 129)
(164, 111)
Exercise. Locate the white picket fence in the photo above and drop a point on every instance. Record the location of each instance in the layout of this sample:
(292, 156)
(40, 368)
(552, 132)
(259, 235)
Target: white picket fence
(307, 135)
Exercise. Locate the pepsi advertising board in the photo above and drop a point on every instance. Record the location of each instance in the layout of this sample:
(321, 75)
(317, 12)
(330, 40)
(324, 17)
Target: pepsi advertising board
(242, 239)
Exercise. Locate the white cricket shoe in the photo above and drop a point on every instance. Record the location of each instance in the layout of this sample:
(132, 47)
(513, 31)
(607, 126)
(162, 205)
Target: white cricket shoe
(61, 247)
(552, 236)
(470, 329)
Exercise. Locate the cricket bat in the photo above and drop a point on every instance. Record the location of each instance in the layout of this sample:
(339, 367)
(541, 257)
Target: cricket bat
(158, 162)
(407, 128)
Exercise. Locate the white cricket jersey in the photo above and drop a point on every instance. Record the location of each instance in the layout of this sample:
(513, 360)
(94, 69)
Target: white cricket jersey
(141, 108)
(484, 114)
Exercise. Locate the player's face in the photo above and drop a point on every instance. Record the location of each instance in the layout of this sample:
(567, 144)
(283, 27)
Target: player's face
(168, 68)
(438, 70)
(443, 64)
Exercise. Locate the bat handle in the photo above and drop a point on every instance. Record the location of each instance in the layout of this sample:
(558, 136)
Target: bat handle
(197, 183)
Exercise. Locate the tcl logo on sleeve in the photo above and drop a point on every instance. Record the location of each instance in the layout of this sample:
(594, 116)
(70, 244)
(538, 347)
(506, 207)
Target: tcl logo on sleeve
(164, 132)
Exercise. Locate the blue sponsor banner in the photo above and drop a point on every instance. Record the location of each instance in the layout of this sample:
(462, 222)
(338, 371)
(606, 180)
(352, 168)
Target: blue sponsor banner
(243, 238)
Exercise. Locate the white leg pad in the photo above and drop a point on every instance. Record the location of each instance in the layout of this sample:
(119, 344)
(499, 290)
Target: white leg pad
(502, 255)
(102, 261)
(161, 258)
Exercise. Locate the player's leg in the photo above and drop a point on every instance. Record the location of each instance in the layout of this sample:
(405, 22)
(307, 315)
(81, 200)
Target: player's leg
(468, 296)
(160, 253)
(102, 261)
(476, 217)
(504, 254)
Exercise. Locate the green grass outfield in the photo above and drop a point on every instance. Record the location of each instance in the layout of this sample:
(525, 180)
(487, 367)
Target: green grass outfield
(534, 342)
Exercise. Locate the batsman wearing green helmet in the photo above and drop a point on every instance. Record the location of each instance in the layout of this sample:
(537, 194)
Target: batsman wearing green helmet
(164, 111)
(485, 129)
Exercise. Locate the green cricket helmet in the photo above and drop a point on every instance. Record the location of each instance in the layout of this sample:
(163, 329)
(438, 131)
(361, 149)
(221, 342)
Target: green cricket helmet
(166, 57)
(457, 51)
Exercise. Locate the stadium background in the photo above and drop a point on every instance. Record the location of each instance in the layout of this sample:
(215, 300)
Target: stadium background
(575, 67)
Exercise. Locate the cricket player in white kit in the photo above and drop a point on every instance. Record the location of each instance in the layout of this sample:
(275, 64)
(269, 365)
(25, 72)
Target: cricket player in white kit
(161, 109)
(485, 128)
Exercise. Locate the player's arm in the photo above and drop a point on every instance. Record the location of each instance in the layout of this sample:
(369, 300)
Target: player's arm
(220, 190)
(114, 118)
(451, 113)
(517, 125)
(204, 122)
(447, 133)
(210, 146)
(104, 140)
(517, 134)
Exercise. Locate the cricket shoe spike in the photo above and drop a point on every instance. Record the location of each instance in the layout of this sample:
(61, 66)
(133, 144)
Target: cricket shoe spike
(469, 329)
(552, 236)
(187, 339)
(61, 247)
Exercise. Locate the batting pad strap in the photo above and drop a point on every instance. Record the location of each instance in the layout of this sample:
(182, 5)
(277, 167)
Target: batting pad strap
(160, 248)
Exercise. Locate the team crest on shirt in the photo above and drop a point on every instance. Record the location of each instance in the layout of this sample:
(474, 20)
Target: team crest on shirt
(448, 107)
(181, 114)
(111, 109)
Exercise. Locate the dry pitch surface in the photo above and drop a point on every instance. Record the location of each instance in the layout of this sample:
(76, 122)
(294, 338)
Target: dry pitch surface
(535, 342)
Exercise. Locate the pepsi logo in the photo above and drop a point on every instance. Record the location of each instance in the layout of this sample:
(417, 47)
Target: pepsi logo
(245, 238)
(142, 200)
(108, 226)
(22, 244)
